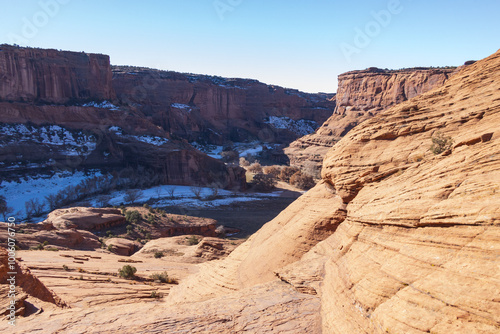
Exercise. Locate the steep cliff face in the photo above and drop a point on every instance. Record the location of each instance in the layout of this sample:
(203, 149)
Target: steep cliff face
(395, 238)
(360, 96)
(58, 113)
(217, 110)
(51, 76)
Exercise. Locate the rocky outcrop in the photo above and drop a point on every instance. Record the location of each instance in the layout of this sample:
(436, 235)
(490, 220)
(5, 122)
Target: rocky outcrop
(416, 246)
(58, 113)
(217, 110)
(85, 218)
(51, 76)
(360, 96)
(122, 246)
(26, 285)
(33, 235)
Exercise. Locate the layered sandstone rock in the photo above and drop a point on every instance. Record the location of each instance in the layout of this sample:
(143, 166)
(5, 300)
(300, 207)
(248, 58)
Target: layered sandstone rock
(417, 249)
(395, 239)
(51, 76)
(217, 110)
(360, 96)
(34, 235)
(27, 286)
(85, 218)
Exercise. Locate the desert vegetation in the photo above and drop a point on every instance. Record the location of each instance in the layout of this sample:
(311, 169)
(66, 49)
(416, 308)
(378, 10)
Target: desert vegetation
(440, 143)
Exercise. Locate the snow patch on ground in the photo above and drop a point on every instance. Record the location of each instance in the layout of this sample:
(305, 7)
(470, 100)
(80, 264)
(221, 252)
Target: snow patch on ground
(302, 126)
(243, 149)
(103, 105)
(72, 143)
(37, 187)
(40, 186)
(184, 196)
(181, 106)
(153, 140)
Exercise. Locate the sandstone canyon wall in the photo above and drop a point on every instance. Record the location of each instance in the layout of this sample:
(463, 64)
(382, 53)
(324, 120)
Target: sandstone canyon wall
(360, 96)
(217, 110)
(395, 239)
(59, 111)
(51, 76)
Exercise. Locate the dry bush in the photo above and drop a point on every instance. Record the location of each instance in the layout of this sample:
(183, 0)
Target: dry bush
(272, 170)
(255, 168)
(302, 181)
(312, 168)
(132, 195)
(287, 172)
(34, 208)
(244, 162)
(441, 143)
(196, 190)
(229, 156)
(264, 182)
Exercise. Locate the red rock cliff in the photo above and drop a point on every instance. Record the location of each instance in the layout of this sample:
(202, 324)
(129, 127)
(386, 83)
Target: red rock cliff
(215, 109)
(360, 96)
(51, 76)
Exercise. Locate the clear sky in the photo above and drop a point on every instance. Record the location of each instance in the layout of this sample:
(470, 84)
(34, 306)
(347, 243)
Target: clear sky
(293, 43)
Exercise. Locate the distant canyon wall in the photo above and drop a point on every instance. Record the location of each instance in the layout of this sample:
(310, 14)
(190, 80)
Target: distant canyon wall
(360, 96)
(51, 76)
(59, 111)
(218, 110)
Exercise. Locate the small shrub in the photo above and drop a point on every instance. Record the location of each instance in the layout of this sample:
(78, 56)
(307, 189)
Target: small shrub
(103, 200)
(244, 162)
(163, 277)
(171, 192)
(127, 272)
(255, 168)
(45, 243)
(312, 168)
(110, 248)
(287, 172)
(196, 190)
(302, 181)
(65, 267)
(34, 208)
(158, 255)
(193, 240)
(214, 192)
(133, 216)
(272, 170)
(132, 195)
(264, 182)
(441, 143)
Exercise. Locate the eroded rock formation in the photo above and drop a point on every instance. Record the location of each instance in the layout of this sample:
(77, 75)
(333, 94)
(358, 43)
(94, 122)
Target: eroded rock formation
(26, 284)
(47, 76)
(360, 96)
(217, 110)
(416, 247)
(57, 113)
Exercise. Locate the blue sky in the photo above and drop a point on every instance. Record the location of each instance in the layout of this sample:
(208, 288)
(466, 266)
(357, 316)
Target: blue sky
(292, 43)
